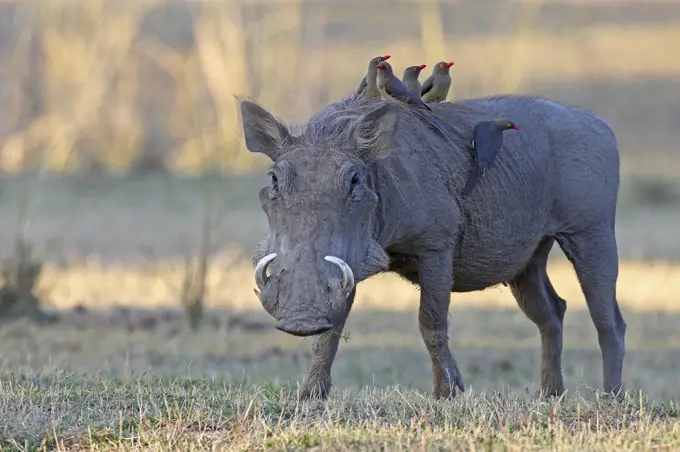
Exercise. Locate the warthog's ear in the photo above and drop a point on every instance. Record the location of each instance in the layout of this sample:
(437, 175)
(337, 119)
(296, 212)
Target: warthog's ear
(374, 131)
(263, 132)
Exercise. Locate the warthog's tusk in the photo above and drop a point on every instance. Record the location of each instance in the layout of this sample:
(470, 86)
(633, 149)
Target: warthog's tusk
(261, 277)
(347, 274)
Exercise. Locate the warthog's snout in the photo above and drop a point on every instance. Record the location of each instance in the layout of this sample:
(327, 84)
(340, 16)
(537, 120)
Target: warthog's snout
(300, 302)
(304, 327)
(261, 277)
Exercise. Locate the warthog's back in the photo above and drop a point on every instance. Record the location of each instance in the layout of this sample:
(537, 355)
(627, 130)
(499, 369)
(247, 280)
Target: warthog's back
(558, 174)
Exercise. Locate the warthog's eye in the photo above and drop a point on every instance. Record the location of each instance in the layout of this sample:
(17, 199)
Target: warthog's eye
(354, 187)
(354, 181)
(274, 183)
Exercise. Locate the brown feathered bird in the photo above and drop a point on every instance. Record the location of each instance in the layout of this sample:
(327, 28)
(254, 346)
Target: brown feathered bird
(436, 87)
(367, 87)
(410, 78)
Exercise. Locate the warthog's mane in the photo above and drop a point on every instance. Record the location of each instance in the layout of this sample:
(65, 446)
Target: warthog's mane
(332, 127)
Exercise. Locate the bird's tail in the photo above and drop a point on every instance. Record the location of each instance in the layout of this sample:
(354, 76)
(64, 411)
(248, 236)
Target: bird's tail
(472, 181)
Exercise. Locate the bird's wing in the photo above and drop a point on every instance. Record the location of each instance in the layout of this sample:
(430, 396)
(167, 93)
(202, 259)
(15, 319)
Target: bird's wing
(396, 88)
(427, 85)
(362, 85)
(488, 142)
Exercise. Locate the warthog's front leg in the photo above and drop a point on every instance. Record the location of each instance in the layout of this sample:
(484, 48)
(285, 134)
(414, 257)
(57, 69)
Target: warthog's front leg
(436, 279)
(318, 381)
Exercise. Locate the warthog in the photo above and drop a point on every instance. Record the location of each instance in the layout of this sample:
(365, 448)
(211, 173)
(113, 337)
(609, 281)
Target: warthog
(366, 187)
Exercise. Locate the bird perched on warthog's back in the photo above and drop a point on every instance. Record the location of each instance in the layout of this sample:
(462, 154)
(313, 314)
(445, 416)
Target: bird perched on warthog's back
(392, 88)
(436, 87)
(367, 88)
(410, 78)
(487, 142)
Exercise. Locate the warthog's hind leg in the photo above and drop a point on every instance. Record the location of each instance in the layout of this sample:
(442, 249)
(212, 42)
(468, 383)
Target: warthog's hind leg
(595, 258)
(537, 298)
(318, 380)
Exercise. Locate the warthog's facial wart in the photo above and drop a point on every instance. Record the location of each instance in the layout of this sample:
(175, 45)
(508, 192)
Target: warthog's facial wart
(320, 205)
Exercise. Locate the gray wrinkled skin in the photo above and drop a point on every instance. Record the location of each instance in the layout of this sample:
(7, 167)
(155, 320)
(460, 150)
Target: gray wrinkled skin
(556, 180)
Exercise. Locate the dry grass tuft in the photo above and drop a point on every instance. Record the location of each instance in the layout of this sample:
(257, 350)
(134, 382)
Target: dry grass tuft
(199, 415)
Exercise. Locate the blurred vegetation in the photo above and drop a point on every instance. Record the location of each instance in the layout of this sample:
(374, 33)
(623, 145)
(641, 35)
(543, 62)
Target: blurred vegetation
(143, 86)
(102, 89)
(655, 191)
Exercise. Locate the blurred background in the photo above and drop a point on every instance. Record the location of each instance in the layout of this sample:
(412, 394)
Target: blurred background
(128, 203)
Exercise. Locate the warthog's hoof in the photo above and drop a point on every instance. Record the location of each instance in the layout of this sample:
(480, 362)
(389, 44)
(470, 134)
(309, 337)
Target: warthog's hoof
(552, 385)
(318, 389)
(445, 388)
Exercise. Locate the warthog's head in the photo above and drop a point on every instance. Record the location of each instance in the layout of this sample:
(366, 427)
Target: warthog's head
(321, 204)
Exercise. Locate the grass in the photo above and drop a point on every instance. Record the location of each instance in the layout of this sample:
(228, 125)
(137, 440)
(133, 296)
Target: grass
(182, 415)
(140, 380)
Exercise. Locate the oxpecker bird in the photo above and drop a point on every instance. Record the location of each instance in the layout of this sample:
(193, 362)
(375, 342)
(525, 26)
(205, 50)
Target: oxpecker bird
(487, 142)
(392, 88)
(436, 87)
(410, 77)
(367, 88)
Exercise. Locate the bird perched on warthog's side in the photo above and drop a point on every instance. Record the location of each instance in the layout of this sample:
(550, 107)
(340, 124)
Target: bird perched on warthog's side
(410, 78)
(486, 143)
(367, 88)
(365, 189)
(436, 87)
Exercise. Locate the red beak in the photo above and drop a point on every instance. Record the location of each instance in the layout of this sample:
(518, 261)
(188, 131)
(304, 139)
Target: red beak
(386, 57)
(450, 64)
(422, 66)
(516, 127)
(379, 67)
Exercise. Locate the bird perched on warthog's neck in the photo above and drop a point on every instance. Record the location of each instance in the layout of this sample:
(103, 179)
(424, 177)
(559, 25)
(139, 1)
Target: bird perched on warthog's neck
(410, 78)
(436, 87)
(367, 88)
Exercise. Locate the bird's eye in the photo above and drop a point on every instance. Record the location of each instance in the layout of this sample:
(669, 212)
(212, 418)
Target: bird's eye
(441, 66)
(415, 69)
(508, 126)
(379, 59)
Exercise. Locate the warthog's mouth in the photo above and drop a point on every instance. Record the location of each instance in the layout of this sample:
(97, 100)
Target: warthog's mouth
(310, 323)
(303, 327)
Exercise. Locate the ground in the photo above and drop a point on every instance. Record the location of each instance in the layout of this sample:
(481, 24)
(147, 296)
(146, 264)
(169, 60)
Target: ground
(120, 369)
